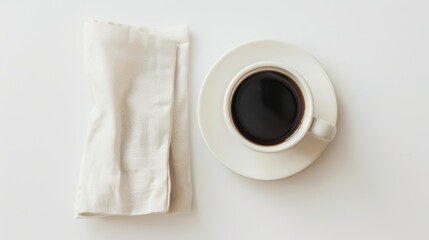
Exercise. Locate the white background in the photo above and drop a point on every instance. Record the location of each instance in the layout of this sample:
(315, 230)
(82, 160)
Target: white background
(371, 183)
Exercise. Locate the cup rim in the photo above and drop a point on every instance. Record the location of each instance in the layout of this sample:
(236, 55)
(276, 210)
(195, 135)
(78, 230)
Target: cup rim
(298, 79)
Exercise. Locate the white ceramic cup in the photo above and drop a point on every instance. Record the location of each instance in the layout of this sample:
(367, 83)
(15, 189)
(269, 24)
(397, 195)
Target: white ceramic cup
(310, 124)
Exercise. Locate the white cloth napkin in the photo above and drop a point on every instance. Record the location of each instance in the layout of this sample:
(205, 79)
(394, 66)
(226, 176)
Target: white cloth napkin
(136, 159)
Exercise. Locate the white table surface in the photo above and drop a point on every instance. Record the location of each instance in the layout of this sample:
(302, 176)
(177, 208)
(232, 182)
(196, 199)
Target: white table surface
(371, 183)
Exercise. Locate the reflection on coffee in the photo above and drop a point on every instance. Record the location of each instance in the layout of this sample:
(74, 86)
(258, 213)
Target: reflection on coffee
(267, 107)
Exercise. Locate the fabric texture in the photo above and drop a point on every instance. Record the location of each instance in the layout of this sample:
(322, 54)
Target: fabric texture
(137, 158)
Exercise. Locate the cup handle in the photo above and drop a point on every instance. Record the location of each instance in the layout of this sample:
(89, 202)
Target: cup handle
(322, 130)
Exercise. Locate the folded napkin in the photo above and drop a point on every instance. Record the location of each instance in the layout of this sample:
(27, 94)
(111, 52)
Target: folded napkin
(136, 159)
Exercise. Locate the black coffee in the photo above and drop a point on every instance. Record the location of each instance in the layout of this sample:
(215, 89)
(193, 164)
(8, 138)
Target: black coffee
(267, 107)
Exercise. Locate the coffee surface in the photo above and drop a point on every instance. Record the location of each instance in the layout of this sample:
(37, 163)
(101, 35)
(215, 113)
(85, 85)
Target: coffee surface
(267, 107)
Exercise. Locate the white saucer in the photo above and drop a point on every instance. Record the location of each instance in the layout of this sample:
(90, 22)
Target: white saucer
(226, 147)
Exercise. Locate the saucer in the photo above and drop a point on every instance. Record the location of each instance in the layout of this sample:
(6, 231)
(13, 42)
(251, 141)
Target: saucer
(226, 147)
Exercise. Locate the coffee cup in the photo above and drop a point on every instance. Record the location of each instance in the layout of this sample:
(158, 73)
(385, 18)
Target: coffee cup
(268, 106)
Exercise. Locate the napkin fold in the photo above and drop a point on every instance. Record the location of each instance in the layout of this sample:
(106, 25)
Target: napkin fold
(136, 159)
